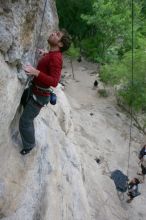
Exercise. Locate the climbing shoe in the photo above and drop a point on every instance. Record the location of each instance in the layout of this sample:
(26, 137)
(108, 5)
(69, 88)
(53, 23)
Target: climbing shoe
(129, 200)
(25, 151)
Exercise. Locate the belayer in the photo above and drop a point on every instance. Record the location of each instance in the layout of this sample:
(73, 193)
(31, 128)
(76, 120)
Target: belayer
(47, 73)
(133, 189)
(142, 161)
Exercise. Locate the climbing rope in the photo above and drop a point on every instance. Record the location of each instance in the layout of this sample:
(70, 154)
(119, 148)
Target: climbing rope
(131, 107)
(29, 79)
(38, 39)
(120, 179)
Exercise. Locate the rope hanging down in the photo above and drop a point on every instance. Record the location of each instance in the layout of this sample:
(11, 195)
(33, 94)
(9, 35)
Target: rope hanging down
(36, 47)
(121, 180)
(38, 39)
(132, 63)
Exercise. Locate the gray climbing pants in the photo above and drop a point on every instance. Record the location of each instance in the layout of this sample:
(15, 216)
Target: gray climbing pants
(26, 124)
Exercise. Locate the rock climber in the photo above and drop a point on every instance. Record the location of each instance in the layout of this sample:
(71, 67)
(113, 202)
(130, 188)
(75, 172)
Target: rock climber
(47, 73)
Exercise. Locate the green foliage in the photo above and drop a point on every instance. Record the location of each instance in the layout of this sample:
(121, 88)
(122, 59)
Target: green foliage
(143, 10)
(103, 93)
(69, 12)
(112, 21)
(73, 52)
(102, 31)
(132, 92)
(112, 74)
(89, 50)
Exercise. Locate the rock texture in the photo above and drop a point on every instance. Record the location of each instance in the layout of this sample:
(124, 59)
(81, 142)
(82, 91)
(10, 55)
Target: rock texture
(47, 184)
(33, 187)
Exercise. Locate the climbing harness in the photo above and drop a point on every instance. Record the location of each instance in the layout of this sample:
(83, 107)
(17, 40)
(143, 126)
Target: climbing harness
(52, 97)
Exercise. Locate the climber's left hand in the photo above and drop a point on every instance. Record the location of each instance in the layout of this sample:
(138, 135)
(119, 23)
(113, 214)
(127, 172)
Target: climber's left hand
(30, 70)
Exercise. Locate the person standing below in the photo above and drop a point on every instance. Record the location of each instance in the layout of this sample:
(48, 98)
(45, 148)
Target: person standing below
(133, 189)
(142, 152)
(47, 73)
(142, 158)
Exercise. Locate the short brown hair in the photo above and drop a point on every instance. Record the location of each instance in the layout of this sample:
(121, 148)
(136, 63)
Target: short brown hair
(66, 40)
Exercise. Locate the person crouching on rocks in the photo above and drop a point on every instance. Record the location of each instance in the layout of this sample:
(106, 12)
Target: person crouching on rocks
(133, 189)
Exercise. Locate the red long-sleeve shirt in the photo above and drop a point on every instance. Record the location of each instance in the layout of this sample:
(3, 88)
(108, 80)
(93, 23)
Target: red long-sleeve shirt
(50, 66)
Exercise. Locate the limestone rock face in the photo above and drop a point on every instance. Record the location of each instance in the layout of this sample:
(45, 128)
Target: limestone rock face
(38, 186)
(20, 23)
